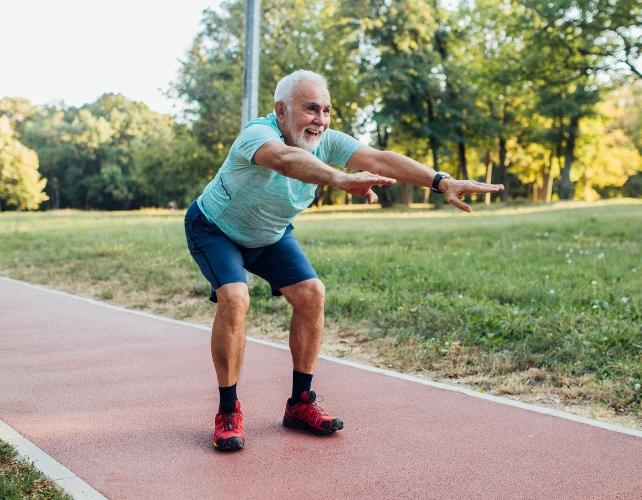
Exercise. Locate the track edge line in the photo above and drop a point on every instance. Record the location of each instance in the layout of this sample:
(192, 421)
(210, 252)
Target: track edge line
(66, 480)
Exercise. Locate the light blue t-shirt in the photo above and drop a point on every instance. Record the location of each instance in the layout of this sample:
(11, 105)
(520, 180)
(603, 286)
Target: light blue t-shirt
(253, 205)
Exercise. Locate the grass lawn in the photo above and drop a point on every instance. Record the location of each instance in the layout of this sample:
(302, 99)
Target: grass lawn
(526, 300)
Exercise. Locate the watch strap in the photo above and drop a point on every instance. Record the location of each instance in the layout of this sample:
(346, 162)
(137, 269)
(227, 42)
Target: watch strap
(435, 182)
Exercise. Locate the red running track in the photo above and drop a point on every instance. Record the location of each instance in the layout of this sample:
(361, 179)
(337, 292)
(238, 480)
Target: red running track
(127, 402)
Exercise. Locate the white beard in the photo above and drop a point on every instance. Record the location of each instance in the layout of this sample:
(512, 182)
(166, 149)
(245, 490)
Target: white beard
(299, 138)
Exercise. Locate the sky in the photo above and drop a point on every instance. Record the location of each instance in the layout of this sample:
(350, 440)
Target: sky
(76, 50)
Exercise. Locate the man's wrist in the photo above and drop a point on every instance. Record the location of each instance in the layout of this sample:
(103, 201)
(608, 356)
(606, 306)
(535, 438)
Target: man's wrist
(337, 178)
(438, 182)
(444, 184)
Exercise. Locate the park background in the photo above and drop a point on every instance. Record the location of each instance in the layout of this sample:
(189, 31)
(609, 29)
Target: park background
(545, 98)
(537, 295)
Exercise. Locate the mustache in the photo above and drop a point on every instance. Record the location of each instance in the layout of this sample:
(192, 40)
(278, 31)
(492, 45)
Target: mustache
(299, 138)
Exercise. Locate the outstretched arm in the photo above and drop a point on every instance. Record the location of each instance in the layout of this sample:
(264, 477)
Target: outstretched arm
(299, 164)
(404, 169)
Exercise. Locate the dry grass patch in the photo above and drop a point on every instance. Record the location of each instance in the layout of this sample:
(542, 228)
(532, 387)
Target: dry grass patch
(19, 479)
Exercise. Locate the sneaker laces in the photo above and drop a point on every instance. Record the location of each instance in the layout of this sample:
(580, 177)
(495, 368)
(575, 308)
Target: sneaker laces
(313, 407)
(230, 421)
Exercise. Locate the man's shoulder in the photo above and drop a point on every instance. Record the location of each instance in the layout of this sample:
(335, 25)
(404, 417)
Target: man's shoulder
(337, 147)
(253, 135)
(337, 139)
(265, 123)
(338, 135)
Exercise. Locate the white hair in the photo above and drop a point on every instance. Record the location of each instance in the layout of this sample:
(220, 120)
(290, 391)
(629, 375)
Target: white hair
(287, 84)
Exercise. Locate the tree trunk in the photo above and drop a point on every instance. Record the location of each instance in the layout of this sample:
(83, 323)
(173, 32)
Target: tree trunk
(461, 153)
(406, 193)
(547, 186)
(463, 165)
(383, 192)
(566, 187)
(432, 138)
(502, 168)
(489, 175)
(318, 196)
(56, 203)
(327, 197)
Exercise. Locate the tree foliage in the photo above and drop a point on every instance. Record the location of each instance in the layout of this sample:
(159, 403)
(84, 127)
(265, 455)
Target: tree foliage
(21, 186)
(544, 97)
(115, 153)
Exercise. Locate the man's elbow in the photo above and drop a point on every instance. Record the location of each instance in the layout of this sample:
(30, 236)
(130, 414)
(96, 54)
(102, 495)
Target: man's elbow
(381, 163)
(286, 158)
(276, 158)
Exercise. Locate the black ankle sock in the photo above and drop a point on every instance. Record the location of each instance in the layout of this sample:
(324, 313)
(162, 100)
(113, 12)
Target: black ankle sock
(300, 382)
(228, 398)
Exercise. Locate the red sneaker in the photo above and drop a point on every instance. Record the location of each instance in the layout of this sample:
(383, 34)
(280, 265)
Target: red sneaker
(306, 414)
(228, 429)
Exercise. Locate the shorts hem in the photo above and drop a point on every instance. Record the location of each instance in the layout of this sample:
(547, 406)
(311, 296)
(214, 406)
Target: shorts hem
(276, 288)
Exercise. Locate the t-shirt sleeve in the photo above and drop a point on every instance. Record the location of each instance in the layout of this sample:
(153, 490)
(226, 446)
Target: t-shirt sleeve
(340, 147)
(252, 138)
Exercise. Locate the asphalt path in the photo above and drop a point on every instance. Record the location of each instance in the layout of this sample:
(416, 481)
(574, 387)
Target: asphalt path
(127, 402)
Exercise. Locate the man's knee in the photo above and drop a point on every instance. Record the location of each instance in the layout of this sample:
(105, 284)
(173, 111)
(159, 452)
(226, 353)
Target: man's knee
(233, 299)
(307, 294)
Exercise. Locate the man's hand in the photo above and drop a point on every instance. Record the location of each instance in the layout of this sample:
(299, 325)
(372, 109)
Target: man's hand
(360, 184)
(454, 190)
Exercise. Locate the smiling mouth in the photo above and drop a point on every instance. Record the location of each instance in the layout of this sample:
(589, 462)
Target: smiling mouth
(313, 132)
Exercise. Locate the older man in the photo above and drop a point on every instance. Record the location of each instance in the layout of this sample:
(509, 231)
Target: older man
(242, 220)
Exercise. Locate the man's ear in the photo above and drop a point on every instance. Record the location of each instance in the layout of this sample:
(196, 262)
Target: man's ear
(279, 108)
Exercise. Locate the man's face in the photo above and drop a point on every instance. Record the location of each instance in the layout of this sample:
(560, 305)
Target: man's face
(307, 116)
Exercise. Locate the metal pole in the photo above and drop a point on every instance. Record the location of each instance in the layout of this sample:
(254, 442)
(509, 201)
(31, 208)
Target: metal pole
(251, 66)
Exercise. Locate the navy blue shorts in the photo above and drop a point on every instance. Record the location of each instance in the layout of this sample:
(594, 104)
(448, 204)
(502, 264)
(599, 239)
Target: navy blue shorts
(222, 261)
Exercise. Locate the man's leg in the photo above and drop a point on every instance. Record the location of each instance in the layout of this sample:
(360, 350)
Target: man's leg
(228, 345)
(306, 328)
(306, 333)
(221, 261)
(228, 332)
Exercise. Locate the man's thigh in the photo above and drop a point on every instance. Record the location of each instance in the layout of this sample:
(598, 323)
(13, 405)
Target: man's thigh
(219, 259)
(282, 264)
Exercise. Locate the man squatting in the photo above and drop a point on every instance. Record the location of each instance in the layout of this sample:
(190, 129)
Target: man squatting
(242, 220)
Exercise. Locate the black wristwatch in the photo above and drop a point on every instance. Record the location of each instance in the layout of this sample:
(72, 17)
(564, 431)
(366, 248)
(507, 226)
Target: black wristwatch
(437, 180)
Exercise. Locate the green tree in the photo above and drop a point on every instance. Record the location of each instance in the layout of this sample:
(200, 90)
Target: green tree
(17, 110)
(115, 153)
(606, 155)
(21, 186)
(399, 69)
(625, 105)
(566, 46)
(501, 92)
(294, 34)
(172, 167)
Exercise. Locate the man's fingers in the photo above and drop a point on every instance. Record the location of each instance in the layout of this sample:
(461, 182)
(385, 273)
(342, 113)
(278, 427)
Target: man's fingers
(458, 203)
(376, 180)
(485, 189)
(360, 183)
(380, 181)
(371, 197)
(481, 187)
(385, 181)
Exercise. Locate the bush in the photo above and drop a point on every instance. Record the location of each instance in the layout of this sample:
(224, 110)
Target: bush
(633, 186)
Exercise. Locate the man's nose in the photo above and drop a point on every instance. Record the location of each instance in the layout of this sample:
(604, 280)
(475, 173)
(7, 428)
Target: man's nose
(320, 119)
